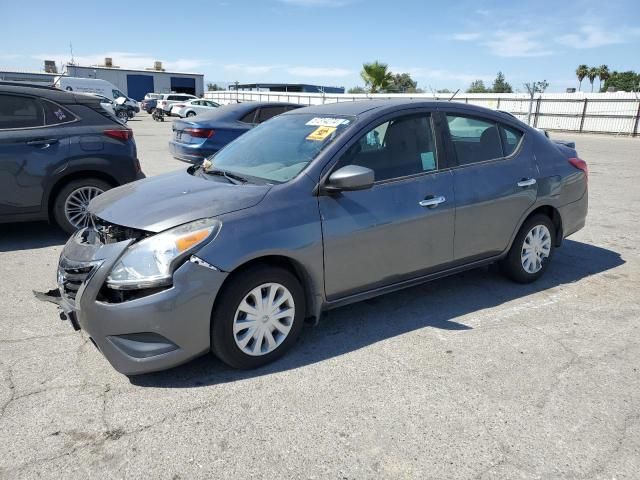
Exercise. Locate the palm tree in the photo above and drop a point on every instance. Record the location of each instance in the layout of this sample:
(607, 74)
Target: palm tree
(376, 76)
(603, 75)
(581, 72)
(591, 75)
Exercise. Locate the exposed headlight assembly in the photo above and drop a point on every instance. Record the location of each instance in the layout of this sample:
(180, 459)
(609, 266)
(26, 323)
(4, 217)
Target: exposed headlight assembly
(151, 262)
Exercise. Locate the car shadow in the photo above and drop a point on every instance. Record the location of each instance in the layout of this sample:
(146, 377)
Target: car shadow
(436, 304)
(28, 235)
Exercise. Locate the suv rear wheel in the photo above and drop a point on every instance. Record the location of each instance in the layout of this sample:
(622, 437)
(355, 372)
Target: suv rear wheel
(70, 205)
(531, 251)
(258, 318)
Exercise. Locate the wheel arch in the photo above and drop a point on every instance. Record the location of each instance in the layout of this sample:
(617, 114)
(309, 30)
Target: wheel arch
(553, 214)
(77, 175)
(281, 261)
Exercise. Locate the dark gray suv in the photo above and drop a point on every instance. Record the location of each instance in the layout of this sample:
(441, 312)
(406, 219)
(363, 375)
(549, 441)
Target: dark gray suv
(314, 209)
(58, 150)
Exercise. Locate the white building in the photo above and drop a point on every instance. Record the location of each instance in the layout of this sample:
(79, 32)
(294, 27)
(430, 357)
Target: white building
(137, 83)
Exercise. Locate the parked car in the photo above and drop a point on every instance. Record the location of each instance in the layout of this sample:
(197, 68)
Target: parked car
(168, 99)
(153, 96)
(193, 108)
(58, 150)
(94, 85)
(117, 108)
(314, 209)
(194, 139)
(148, 105)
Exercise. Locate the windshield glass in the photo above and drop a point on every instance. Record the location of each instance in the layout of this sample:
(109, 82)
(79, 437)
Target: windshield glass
(277, 150)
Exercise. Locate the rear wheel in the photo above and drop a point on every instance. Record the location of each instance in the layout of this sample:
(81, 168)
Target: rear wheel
(70, 205)
(532, 250)
(258, 318)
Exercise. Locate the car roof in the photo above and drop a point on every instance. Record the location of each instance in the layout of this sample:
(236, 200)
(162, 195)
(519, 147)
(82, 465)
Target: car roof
(363, 108)
(38, 90)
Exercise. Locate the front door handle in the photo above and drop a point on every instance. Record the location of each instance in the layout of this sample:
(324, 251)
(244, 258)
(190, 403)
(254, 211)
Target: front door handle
(527, 182)
(432, 202)
(42, 142)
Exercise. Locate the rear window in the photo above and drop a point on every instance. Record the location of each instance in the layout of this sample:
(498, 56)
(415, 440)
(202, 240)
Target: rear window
(20, 112)
(55, 115)
(510, 139)
(249, 117)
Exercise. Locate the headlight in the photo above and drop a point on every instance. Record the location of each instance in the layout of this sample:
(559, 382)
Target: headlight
(150, 262)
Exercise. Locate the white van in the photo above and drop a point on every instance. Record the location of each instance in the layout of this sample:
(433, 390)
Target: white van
(93, 85)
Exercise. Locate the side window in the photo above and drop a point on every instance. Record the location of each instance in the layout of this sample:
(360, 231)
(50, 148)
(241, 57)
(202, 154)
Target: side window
(173, 97)
(55, 114)
(510, 139)
(249, 117)
(265, 113)
(117, 94)
(20, 112)
(397, 148)
(474, 140)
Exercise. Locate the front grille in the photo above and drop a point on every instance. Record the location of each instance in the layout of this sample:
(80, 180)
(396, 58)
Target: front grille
(71, 276)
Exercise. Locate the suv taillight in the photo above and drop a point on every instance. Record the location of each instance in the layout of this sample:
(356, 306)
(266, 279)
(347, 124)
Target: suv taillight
(580, 165)
(200, 132)
(119, 134)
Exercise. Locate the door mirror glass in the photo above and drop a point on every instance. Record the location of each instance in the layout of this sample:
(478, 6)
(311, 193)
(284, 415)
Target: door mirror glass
(351, 177)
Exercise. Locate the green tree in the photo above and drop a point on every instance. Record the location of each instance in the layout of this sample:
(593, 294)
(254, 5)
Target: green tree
(356, 90)
(500, 85)
(444, 90)
(376, 76)
(581, 72)
(603, 75)
(402, 82)
(212, 87)
(477, 86)
(591, 75)
(536, 87)
(623, 81)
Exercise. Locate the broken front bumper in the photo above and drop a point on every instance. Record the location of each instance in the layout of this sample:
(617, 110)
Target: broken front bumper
(155, 331)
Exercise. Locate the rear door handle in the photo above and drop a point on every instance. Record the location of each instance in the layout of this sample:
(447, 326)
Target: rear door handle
(527, 182)
(432, 202)
(42, 142)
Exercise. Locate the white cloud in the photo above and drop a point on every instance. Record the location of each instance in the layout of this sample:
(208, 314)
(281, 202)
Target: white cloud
(318, 72)
(250, 69)
(316, 3)
(593, 36)
(516, 44)
(465, 37)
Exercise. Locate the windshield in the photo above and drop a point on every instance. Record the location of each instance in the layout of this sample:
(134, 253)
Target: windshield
(279, 149)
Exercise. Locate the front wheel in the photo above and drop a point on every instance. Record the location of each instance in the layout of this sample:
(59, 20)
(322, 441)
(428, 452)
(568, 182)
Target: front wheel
(258, 317)
(532, 250)
(191, 114)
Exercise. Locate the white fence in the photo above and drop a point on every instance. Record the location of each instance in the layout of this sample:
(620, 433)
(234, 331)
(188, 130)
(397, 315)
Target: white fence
(617, 113)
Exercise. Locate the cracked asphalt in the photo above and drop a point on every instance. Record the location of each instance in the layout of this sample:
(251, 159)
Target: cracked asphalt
(468, 377)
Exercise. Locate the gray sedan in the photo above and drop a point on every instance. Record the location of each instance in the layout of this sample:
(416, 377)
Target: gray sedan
(311, 210)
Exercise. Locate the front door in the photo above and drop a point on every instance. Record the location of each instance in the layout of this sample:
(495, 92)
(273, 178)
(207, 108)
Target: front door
(400, 228)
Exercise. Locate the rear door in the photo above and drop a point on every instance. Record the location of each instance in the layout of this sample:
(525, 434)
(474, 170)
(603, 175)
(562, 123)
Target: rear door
(495, 182)
(400, 228)
(33, 146)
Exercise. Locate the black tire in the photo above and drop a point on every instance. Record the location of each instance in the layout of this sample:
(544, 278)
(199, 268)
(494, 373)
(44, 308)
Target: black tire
(123, 116)
(60, 199)
(512, 265)
(191, 114)
(223, 344)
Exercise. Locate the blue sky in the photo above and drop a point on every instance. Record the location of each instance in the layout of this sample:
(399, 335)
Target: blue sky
(441, 44)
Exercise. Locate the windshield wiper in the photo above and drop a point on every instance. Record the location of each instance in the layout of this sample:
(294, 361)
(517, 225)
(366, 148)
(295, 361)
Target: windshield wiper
(231, 177)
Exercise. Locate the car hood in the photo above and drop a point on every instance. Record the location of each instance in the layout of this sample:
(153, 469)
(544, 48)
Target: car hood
(164, 201)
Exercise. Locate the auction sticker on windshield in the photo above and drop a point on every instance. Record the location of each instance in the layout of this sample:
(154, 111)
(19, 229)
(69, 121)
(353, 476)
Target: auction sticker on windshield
(327, 122)
(321, 133)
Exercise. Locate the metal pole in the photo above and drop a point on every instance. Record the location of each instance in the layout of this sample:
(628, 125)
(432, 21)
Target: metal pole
(584, 113)
(635, 126)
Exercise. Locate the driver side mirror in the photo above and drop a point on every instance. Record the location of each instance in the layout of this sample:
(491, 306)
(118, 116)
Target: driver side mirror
(349, 178)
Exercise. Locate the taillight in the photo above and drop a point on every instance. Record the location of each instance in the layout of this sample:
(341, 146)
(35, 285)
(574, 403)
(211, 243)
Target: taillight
(119, 134)
(580, 165)
(200, 132)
